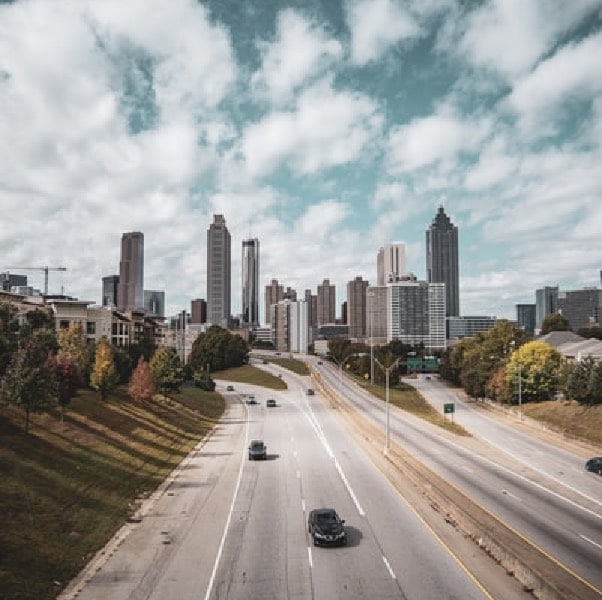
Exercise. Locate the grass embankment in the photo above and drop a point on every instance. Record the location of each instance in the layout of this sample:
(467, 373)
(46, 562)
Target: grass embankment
(292, 364)
(568, 417)
(67, 487)
(407, 398)
(252, 375)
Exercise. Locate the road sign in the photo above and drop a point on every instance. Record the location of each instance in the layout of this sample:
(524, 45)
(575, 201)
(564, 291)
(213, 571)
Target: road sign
(449, 408)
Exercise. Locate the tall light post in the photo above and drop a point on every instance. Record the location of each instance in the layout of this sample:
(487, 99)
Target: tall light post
(387, 370)
(371, 295)
(520, 383)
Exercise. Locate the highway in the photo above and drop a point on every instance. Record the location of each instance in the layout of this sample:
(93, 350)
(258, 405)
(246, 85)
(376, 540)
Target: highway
(227, 527)
(540, 490)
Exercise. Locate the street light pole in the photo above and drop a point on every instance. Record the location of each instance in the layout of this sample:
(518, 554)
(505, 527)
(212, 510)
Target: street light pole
(520, 393)
(387, 370)
(371, 296)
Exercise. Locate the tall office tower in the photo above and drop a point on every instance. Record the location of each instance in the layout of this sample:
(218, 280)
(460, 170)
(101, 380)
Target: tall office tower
(289, 322)
(312, 308)
(376, 320)
(344, 316)
(525, 317)
(326, 303)
(289, 294)
(154, 302)
(546, 303)
(582, 308)
(390, 263)
(356, 307)
(130, 291)
(442, 260)
(218, 272)
(274, 292)
(416, 313)
(198, 311)
(110, 287)
(250, 282)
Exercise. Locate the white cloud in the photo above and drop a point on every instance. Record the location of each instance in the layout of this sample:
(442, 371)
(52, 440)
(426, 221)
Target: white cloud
(510, 36)
(424, 141)
(573, 72)
(495, 165)
(376, 25)
(325, 129)
(300, 51)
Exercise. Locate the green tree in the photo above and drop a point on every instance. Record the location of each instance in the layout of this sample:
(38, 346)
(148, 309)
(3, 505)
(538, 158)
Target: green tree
(123, 363)
(9, 334)
(555, 322)
(219, 349)
(595, 383)
(29, 382)
(591, 332)
(166, 370)
(104, 377)
(577, 381)
(538, 366)
(203, 380)
(141, 387)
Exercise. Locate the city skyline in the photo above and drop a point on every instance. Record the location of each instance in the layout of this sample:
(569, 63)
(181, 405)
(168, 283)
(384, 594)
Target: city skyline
(324, 129)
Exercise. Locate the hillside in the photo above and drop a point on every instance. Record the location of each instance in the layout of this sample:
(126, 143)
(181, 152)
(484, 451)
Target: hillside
(67, 487)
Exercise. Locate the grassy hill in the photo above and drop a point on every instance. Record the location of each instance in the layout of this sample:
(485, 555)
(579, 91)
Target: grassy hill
(68, 486)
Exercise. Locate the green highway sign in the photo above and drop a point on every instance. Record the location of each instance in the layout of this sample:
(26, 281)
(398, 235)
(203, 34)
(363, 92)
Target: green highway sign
(449, 408)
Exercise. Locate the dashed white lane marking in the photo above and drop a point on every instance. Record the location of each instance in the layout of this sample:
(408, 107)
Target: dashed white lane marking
(389, 567)
(311, 563)
(591, 541)
(507, 493)
(303, 505)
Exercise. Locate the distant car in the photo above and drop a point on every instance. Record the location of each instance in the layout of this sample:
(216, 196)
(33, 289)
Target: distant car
(264, 362)
(230, 388)
(326, 527)
(257, 450)
(310, 392)
(320, 362)
(428, 377)
(594, 465)
(270, 403)
(277, 353)
(251, 400)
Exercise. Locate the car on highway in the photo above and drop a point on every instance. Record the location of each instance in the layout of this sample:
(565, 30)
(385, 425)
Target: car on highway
(310, 392)
(257, 450)
(326, 527)
(270, 403)
(594, 465)
(320, 362)
(229, 388)
(264, 362)
(251, 399)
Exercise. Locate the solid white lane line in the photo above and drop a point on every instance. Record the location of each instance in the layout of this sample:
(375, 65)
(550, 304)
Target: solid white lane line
(223, 540)
(311, 564)
(591, 541)
(302, 504)
(349, 489)
(389, 567)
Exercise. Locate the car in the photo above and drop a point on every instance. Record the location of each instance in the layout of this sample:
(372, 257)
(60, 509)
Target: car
(251, 400)
(310, 392)
(257, 450)
(229, 388)
(594, 465)
(326, 527)
(264, 362)
(320, 362)
(270, 403)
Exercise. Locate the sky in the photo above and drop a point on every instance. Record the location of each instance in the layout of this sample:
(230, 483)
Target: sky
(324, 128)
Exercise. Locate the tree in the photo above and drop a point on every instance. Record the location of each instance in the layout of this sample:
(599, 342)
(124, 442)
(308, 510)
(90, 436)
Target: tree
(595, 383)
(67, 377)
(141, 386)
(555, 322)
(104, 377)
(219, 349)
(123, 363)
(537, 365)
(9, 334)
(203, 380)
(72, 341)
(29, 382)
(591, 332)
(166, 370)
(578, 379)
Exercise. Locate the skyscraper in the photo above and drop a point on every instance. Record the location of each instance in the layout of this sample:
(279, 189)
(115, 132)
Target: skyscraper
(110, 290)
(250, 282)
(326, 303)
(274, 292)
(154, 302)
(130, 292)
(546, 303)
(390, 263)
(356, 307)
(442, 260)
(218, 272)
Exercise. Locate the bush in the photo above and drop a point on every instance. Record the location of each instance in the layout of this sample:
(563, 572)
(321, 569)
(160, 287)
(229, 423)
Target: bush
(203, 381)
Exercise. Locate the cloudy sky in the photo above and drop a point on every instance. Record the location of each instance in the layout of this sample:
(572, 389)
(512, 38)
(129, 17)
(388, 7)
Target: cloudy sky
(325, 128)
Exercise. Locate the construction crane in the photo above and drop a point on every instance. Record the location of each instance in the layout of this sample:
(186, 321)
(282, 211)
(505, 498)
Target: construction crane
(45, 269)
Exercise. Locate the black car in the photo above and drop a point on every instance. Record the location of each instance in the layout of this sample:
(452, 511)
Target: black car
(230, 388)
(270, 403)
(310, 392)
(257, 450)
(326, 527)
(251, 400)
(594, 465)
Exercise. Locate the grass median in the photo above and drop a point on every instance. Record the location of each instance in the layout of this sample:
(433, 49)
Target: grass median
(67, 487)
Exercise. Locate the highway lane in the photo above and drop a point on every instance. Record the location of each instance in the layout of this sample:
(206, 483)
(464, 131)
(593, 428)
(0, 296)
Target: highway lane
(569, 528)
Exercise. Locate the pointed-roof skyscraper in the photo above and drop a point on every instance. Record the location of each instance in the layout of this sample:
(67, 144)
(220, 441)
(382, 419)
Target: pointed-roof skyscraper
(442, 260)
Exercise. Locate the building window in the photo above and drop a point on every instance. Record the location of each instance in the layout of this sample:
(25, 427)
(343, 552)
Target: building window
(91, 328)
(64, 324)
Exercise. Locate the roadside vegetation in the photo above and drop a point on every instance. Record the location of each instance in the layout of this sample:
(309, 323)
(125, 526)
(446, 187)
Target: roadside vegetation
(251, 375)
(292, 364)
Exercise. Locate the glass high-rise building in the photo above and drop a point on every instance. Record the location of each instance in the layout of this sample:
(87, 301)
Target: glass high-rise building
(130, 291)
(250, 282)
(442, 260)
(390, 263)
(110, 287)
(219, 284)
(546, 303)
